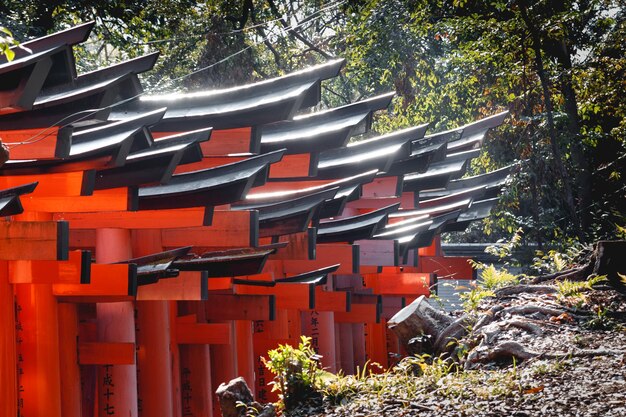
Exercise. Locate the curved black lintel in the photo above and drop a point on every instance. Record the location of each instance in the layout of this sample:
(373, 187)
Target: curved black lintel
(353, 228)
(209, 187)
(312, 277)
(136, 66)
(10, 205)
(72, 36)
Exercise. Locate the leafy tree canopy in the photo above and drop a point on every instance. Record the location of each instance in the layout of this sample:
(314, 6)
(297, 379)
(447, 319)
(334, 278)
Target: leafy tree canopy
(558, 66)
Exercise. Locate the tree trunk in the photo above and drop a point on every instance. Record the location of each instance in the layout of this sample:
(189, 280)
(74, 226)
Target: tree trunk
(545, 85)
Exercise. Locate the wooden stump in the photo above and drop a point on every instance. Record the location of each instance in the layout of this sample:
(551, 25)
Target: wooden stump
(417, 319)
(611, 260)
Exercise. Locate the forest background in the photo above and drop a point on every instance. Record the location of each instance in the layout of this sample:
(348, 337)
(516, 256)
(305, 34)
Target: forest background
(558, 66)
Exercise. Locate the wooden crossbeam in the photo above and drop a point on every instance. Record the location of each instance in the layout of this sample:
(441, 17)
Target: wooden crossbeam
(300, 245)
(33, 143)
(228, 229)
(102, 353)
(114, 199)
(399, 283)
(298, 165)
(24, 240)
(76, 270)
(337, 301)
(108, 282)
(378, 252)
(203, 333)
(332, 253)
(68, 184)
(359, 313)
(186, 286)
(406, 200)
(145, 219)
(223, 307)
(382, 187)
(288, 296)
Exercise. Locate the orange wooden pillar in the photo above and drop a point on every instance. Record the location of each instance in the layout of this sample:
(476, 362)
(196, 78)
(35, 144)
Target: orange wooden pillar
(8, 355)
(268, 335)
(154, 370)
(223, 367)
(116, 384)
(376, 342)
(37, 336)
(38, 351)
(358, 344)
(320, 327)
(346, 347)
(71, 392)
(245, 351)
(196, 389)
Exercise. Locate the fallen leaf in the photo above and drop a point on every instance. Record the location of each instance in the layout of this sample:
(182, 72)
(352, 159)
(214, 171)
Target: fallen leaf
(534, 390)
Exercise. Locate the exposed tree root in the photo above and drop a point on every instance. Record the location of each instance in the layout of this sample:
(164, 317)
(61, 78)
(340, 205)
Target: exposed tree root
(531, 309)
(519, 289)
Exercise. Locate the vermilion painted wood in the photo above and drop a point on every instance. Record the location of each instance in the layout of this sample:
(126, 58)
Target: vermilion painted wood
(245, 350)
(359, 313)
(71, 271)
(33, 240)
(30, 143)
(145, 219)
(228, 229)
(108, 281)
(399, 284)
(433, 250)
(102, 353)
(194, 370)
(288, 296)
(222, 307)
(331, 301)
(332, 253)
(69, 184)
(203, 333)
(406, 200)
(222, 142)
(223, 368)
(116, 323)
(154, 375)
(301, 246)
(344, 341)
(382, 187)
(8, 354)
(38, 347)
(376, 344)
(186, 286)
(68, 360)
(299, 165)
(447, 267)
(320, 326)
(378, 252)
(114, 199)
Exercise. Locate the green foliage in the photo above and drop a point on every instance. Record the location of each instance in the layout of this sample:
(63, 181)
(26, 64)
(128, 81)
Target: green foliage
(575, 289)
(6, 42)
(560, 259)
(450, 62)
(297, 372)
(602, 321)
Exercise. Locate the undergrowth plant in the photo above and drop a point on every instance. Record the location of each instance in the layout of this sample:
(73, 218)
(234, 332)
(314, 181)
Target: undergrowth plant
(297, 371)
(492, 278)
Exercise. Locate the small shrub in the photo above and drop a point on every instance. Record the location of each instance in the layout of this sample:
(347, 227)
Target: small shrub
(297, 372)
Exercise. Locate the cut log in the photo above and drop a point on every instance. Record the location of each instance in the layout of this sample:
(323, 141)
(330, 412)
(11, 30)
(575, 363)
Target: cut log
(420, 318)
